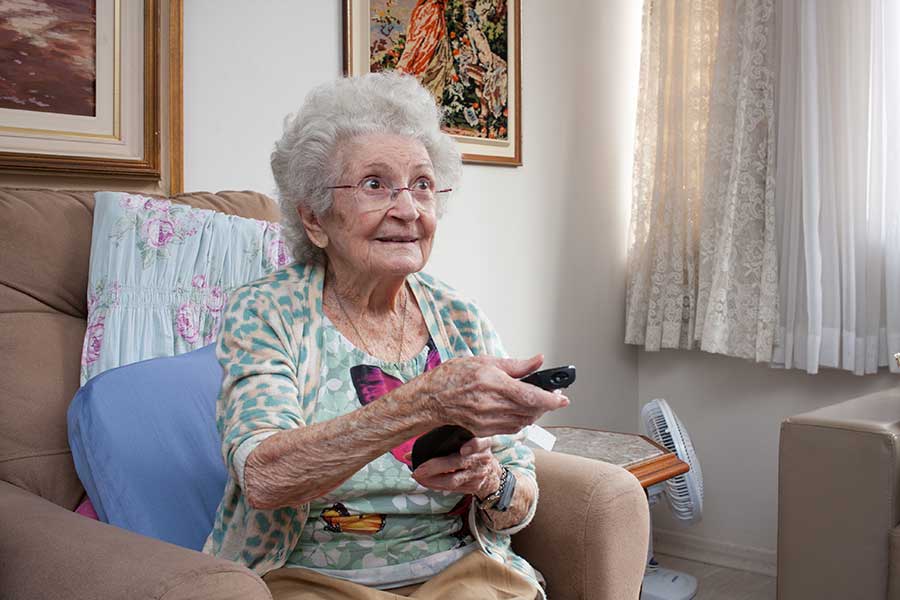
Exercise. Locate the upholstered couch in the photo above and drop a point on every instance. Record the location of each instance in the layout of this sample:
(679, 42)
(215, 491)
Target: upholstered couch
(589, 537)
(839, 501)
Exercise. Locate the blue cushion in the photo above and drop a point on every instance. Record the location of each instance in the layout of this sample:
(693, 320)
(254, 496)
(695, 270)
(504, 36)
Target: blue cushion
(145, 446)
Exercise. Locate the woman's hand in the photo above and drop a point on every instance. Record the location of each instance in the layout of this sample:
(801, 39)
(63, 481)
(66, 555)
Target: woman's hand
(483, 394)
(474, 470)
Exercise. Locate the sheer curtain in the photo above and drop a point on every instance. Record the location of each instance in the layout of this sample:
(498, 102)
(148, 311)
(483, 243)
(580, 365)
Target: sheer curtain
(838, 185)
(702, 262)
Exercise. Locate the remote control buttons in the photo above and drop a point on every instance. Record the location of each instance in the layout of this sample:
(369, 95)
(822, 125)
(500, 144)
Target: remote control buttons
(560, 378)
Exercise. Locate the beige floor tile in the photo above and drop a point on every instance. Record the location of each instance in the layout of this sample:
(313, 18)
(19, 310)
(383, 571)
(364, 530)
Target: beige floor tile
(722, 583)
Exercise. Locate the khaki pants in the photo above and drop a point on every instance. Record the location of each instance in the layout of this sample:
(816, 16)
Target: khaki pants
(475, 576)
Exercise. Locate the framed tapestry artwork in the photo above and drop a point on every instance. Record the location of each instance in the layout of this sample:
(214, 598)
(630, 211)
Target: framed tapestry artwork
(81, 87)
(466, 52)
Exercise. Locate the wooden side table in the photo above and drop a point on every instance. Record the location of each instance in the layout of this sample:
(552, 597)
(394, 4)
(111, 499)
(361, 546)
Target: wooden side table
(638, 454)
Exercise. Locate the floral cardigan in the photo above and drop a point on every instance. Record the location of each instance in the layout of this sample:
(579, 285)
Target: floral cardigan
(270, 349)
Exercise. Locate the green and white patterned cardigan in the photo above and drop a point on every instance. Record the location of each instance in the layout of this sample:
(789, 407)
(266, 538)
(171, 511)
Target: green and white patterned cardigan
(270, 349)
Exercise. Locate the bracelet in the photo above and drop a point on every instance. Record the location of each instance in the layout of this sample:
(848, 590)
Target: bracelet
(494, 496)
(507, 490)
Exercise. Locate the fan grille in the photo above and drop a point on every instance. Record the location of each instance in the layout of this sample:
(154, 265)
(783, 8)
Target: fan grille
(684, 492)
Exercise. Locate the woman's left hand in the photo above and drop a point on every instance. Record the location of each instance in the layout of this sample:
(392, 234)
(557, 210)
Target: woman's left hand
(474, 470)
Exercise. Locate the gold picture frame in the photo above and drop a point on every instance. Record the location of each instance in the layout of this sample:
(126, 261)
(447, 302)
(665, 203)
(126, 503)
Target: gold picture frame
(135, 61)
(468, 53)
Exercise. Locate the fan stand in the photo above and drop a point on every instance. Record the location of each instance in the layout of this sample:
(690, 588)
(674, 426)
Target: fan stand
(661, 583)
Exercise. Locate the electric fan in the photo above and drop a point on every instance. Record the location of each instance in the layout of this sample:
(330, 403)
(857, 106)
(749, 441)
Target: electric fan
(683, 492)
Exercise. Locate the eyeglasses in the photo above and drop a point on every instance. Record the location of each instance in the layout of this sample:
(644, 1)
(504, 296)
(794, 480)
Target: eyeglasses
(376, 194)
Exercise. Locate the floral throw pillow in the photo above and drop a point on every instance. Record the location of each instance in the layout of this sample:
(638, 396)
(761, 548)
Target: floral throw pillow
(160, 275)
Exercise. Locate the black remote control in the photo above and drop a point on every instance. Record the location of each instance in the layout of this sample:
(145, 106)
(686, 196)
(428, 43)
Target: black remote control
(442, 441)
(556, 378)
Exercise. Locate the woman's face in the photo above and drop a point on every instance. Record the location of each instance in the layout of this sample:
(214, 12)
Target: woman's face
(380, 241)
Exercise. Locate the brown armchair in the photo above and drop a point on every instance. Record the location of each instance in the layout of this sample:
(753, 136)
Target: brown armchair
(589, 536)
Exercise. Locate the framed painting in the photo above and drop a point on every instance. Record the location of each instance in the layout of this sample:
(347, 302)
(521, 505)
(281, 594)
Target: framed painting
(466, 52)
(81, 88)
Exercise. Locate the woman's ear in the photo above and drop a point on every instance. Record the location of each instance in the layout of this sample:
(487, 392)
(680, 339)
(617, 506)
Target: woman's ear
(313, 227)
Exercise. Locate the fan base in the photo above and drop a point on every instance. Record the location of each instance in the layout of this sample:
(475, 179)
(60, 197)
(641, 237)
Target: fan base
(666, 584)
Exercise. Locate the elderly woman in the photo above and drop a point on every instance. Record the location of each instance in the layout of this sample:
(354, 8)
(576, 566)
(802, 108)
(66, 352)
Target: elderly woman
(335, 364)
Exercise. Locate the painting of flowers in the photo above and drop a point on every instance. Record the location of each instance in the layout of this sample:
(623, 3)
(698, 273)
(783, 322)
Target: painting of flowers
(48, 56)
(465, 52)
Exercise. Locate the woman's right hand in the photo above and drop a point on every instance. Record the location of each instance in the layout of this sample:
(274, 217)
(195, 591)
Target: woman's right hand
(484, 394)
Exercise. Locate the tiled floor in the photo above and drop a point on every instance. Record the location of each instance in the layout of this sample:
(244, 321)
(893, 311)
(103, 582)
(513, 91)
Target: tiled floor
(722, 583)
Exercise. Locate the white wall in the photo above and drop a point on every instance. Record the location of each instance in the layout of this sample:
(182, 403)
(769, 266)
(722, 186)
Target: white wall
(541, 247)
(247, 65)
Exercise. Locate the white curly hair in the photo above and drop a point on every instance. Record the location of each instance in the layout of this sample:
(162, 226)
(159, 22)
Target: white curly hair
(304, 159)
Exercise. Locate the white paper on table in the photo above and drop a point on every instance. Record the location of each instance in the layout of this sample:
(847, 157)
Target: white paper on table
(538, 437)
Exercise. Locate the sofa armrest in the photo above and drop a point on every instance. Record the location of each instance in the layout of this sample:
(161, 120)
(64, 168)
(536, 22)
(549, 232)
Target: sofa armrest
(51, 553)
(838, 483)
(589, 535)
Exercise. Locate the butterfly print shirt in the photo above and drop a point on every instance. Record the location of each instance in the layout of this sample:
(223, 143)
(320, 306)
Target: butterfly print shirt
(379, 528)
(284, 369)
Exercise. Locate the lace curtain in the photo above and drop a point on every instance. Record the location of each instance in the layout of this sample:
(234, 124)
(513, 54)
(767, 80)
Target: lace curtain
(838, 197)
(702, 267)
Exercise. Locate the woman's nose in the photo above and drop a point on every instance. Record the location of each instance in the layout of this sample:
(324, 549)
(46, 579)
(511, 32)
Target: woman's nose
(404, 205)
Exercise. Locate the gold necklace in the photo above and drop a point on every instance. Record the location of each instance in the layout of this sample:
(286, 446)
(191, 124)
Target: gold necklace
(360, 336)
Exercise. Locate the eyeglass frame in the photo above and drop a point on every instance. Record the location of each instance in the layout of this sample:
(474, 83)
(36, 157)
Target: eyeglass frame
(394, 191)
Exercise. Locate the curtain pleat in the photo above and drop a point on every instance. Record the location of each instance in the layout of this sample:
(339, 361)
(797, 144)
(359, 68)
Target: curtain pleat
(702, 263)
(837, 185)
